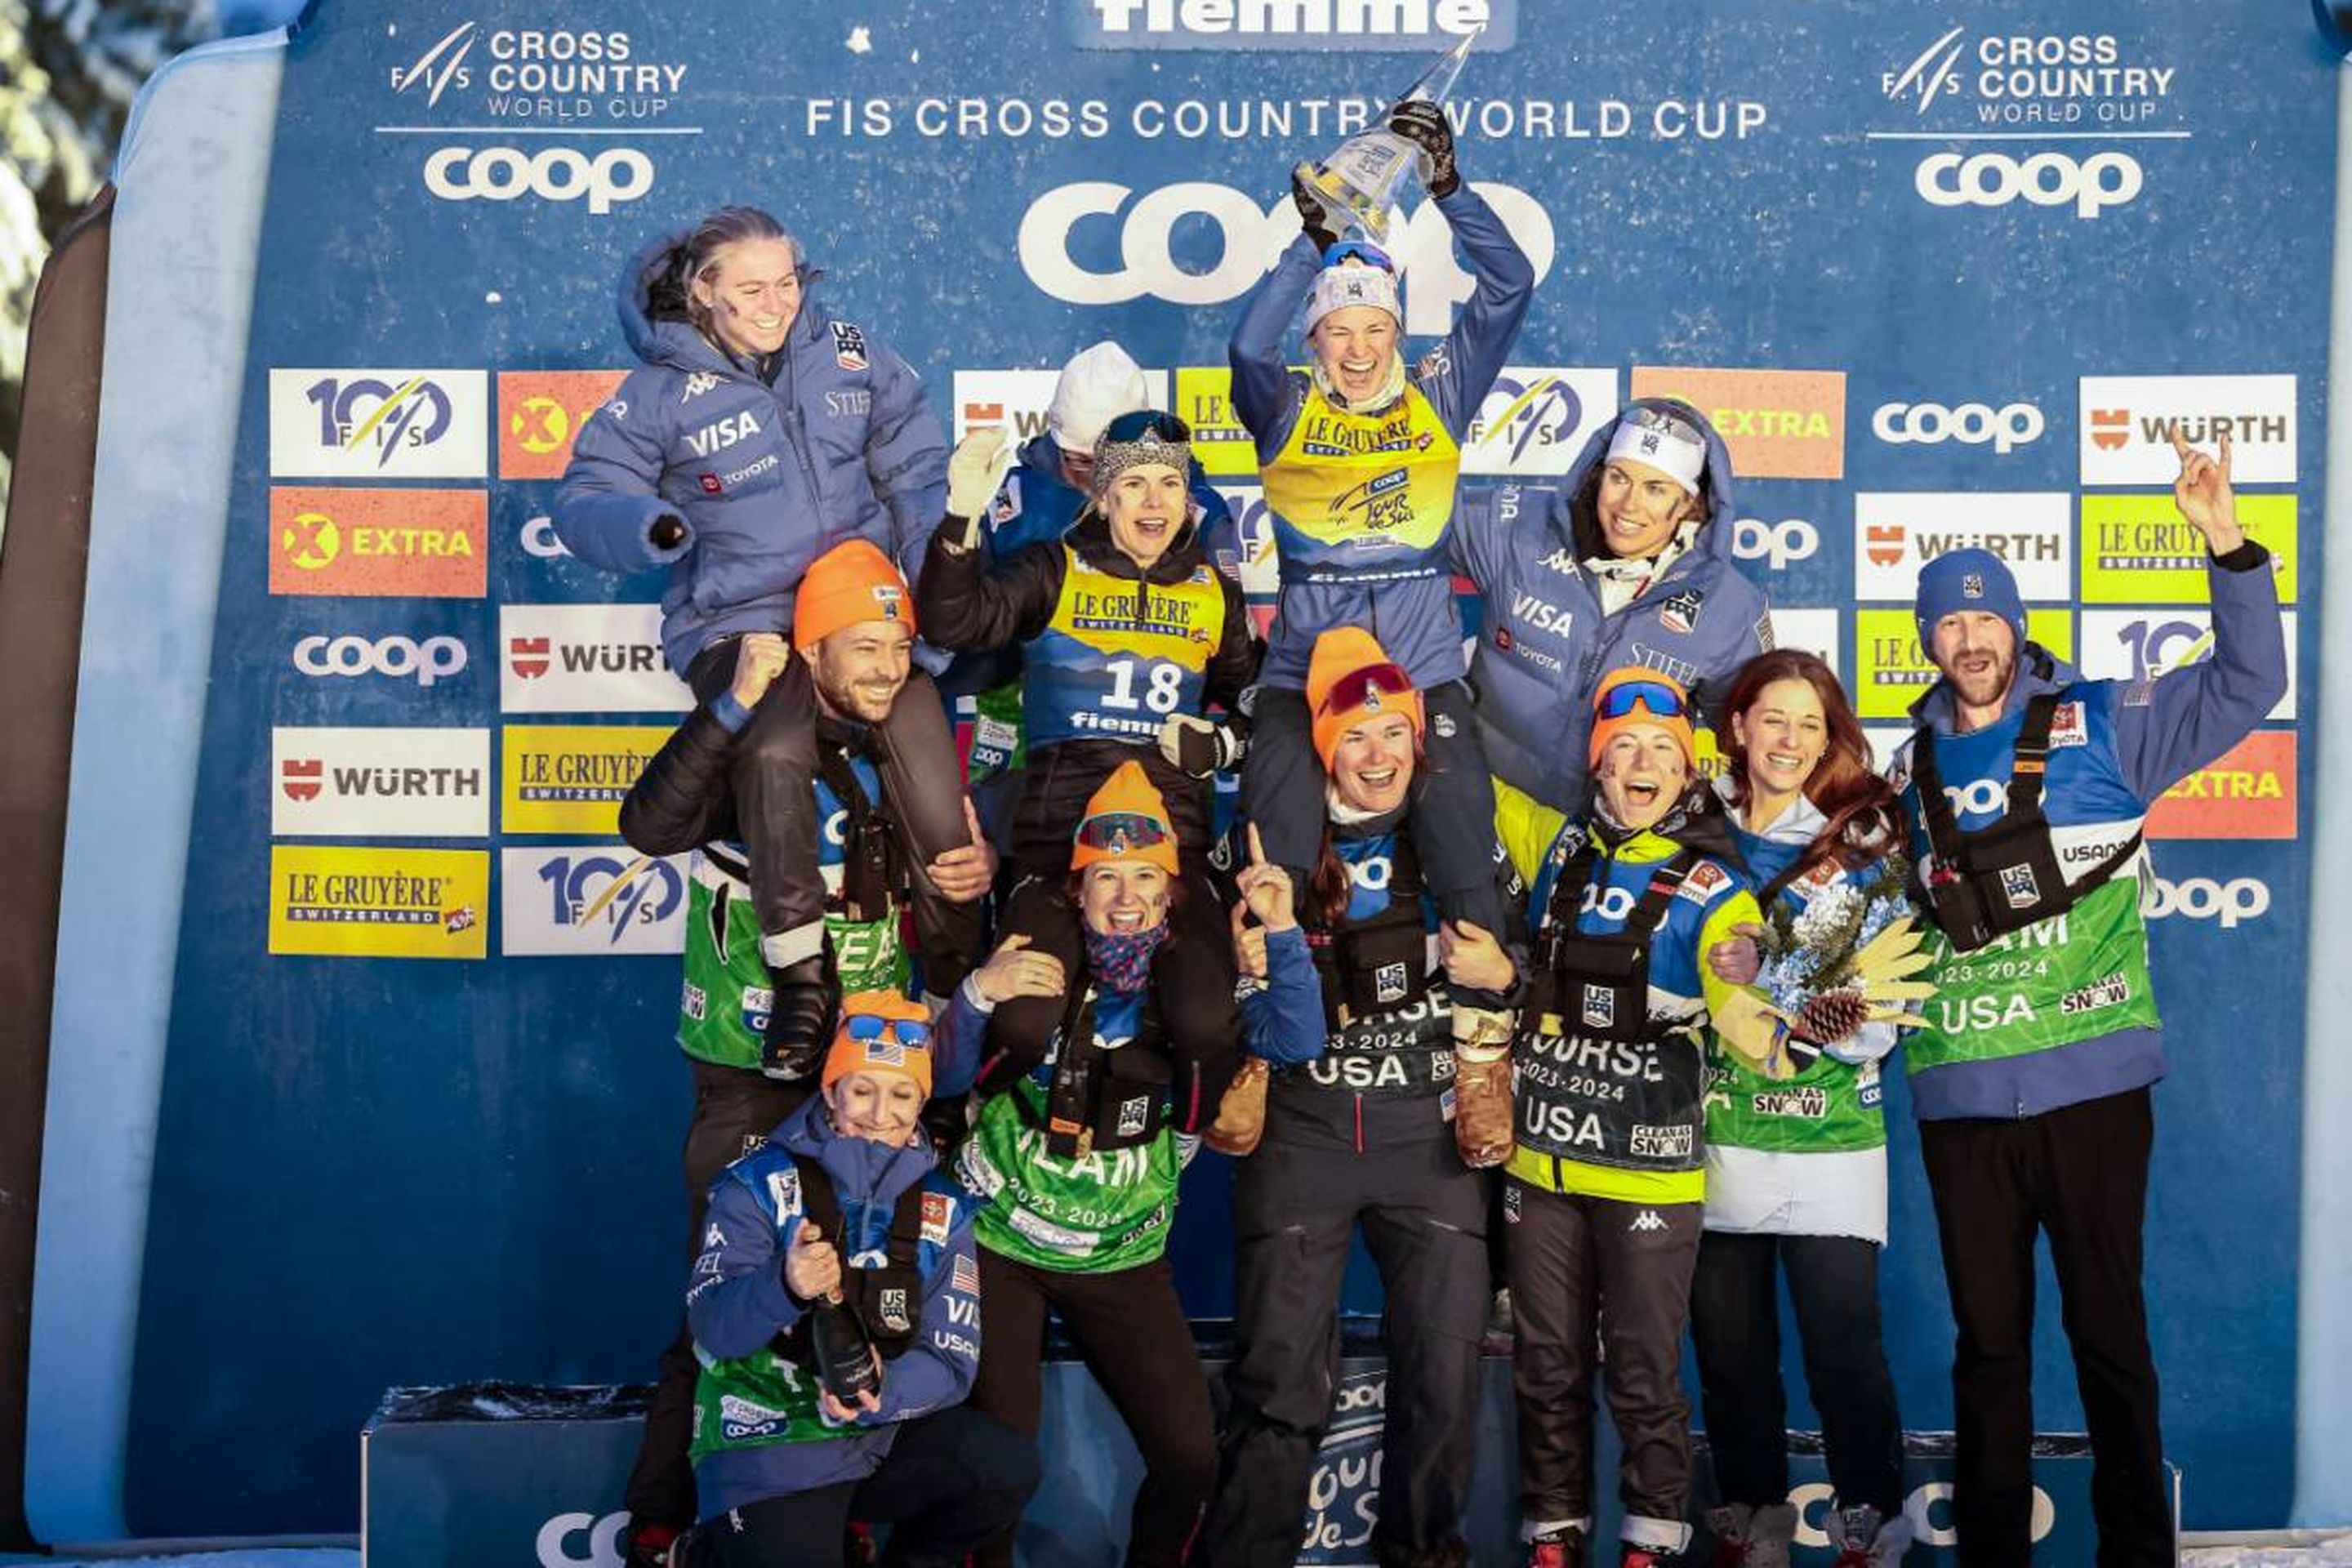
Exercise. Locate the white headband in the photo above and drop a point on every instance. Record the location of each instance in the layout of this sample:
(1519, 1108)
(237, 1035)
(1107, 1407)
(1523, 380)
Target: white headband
(1663, 443)
(1352, 283)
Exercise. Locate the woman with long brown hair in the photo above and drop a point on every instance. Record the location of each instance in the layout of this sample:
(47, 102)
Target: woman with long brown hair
(1795, 1166)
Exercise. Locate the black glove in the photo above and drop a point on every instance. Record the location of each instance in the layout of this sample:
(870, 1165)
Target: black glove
(1198, 747)
(1423, 124)
(1315, 218)
(666, 532)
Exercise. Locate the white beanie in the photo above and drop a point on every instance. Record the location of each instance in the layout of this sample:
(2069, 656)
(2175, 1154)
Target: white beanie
(1097, 387)
(1352, 282)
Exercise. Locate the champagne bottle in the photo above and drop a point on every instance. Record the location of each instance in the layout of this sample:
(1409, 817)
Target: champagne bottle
(843, 1350)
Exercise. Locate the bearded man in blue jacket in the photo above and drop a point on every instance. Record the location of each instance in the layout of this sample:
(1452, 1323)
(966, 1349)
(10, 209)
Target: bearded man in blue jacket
(2027, 789)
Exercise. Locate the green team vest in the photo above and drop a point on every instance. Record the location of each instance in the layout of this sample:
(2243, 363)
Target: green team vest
(1093, 1214)
(724, 1006)
(2070, 977)
(1830, 1107)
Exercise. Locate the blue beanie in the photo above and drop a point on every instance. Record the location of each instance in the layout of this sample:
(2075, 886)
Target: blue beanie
(1968, 580)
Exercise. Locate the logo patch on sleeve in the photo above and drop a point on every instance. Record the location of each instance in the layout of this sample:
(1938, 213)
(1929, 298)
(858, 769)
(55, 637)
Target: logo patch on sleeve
(939, 1217)
(848, 345)
(1705, 879)
(2067, 727)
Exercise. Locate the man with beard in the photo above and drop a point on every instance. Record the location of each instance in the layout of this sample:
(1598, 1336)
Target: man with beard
(854, 627)
(2026, 788)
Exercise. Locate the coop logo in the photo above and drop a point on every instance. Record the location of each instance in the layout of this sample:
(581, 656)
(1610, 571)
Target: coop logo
(1898, 532)
(1779, 424)
(426, 662)
(586, 658)
(538, 538)
(543, 74)
(1777, 544)
(2006, 428)
(604, 180)
(380, 782)
(2248, 793)
(2128, 422)
(339, 901)
(347, 541)
(2090, 187)
(1534, 420)
(599, 1541)
(571, 778)
(540, 416)
(1099, 220)
(2239, 902)
(584, 900)
(372, 424)
(1381, 25)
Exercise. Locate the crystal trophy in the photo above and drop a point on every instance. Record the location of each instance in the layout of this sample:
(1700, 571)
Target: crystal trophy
(1361, 176)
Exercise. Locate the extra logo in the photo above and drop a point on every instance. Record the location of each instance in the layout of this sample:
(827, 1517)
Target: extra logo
(1779, 424)
(426, 662)
(590, 901)
(1898, 532)
(380, 782)
(2238, 901)
(604, 179)
(365, 424)
(2127, 424)
(540, 416)
(1082, 219)
(1534, 420)
(586, 658)
(406, 543)
(2090, 186)
(2248, 793)
(2012, 425)
(334, 902)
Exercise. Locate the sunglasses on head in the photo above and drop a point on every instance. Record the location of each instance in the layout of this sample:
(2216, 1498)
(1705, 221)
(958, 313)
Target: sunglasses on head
(866, 1027)
(1662, 701)
(1119, 832)
(1367, 687)
(1358, 250)
(1139, 423)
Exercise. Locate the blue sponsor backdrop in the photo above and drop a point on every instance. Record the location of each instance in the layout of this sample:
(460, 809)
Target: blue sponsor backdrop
(375, 1172)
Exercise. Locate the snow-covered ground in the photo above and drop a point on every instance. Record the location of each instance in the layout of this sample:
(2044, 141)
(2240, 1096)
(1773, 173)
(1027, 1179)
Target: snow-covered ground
(2334, 1553)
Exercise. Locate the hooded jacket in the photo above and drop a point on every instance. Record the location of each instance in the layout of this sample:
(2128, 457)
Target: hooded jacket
(964, 601)
(1545, 643)
(1411, 611)
(736, 1303)
(2075, 1022)
(767, 475)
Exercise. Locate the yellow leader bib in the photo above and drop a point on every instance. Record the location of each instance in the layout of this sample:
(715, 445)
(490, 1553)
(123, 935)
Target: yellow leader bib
(1358, 496)
(1120, 656)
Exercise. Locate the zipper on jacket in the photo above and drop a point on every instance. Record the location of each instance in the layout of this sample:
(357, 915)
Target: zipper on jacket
(797, 429)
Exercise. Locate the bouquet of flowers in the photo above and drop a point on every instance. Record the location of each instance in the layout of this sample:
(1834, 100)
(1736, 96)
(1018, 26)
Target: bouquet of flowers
(1846, 958)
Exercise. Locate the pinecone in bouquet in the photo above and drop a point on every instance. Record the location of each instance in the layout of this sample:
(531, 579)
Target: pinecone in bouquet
(1834, 1016)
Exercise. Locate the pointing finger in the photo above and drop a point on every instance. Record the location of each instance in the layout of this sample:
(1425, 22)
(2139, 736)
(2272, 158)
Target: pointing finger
(2180, 442)
(1256, 846)
(2225, 456)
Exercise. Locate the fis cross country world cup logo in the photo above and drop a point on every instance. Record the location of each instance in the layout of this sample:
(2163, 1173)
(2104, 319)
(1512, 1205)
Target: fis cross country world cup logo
(581, 900)
(378, 423)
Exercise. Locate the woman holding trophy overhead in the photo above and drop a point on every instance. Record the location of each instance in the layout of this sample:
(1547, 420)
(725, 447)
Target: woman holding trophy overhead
(1361, 455)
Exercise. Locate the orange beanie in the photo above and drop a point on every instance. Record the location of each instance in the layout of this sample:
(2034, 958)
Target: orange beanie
(850, 583)
(1351, 679)
(1664, 706)
(884, 1052)
(1126, 820)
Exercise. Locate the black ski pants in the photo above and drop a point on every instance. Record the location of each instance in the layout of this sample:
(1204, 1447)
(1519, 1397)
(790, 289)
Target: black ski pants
(1132, 1331)
(1296, 1210)
(2080, 1174)
(1588, 1271)
(1452, 801)
(735, 1108)
(950, 1480)
(1736, 1327)
(773, 786)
